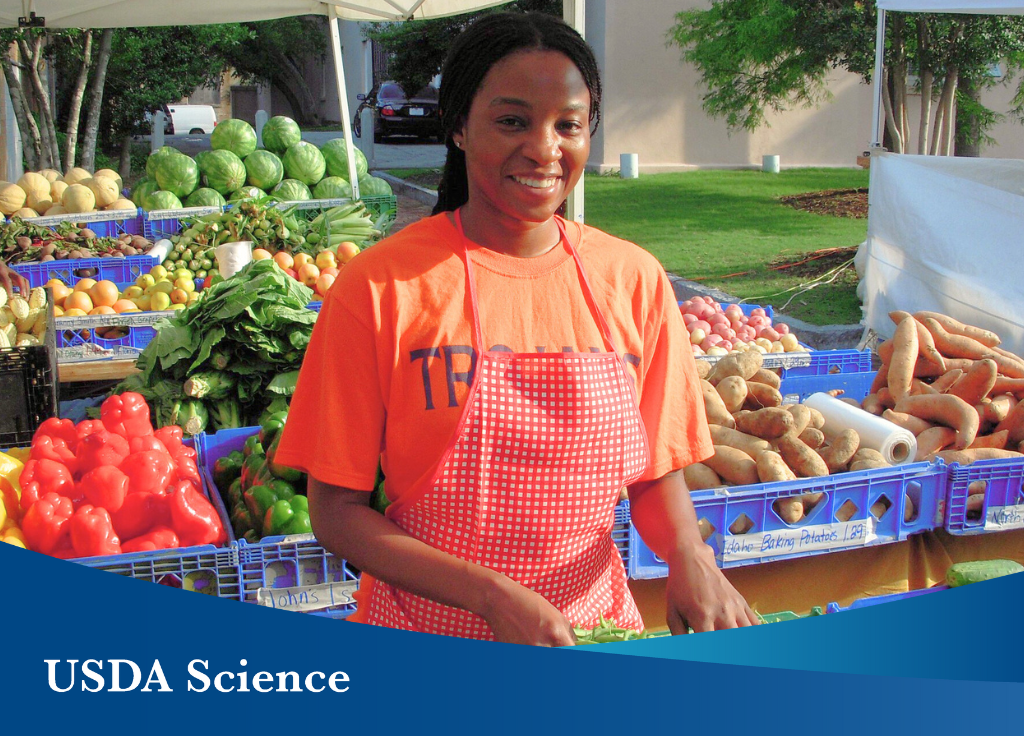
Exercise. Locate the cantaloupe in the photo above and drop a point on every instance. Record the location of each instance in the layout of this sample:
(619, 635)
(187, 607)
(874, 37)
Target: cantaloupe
(121, 204)
(104, 190)
(12, 198)
(78, 198)
(113, 175)
(52, 175)
(57, 190)
(57, 209)
(76, 175)
(25, 212)
(33, 182)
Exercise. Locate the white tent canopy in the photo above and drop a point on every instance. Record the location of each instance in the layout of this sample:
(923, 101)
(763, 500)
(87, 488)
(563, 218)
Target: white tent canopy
(1000, 7)
(134, 13)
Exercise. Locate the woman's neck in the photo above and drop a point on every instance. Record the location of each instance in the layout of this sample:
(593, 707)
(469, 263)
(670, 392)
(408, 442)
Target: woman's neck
(511, 237)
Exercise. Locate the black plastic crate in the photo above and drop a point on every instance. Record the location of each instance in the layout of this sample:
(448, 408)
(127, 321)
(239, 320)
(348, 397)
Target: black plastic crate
(28, 392)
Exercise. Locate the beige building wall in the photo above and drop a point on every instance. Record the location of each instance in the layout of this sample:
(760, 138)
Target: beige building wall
(652, 105)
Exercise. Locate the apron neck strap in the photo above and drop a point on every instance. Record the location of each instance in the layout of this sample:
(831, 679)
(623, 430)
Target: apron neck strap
(564, 241)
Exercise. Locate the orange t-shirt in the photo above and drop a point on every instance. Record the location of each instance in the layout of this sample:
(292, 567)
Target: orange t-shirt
(389, 366)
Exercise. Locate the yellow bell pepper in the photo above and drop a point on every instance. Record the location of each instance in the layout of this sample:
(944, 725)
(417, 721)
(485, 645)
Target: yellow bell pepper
(10, 488)
(21, 454)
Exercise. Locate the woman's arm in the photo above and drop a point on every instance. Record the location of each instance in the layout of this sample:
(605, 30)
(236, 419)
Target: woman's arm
(699, 595)
(11, 280)
(345, 524)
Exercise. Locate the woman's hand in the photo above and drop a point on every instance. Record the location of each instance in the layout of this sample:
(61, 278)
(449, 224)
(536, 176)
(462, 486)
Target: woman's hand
(517, 615)
(11, 280)
(700, 597)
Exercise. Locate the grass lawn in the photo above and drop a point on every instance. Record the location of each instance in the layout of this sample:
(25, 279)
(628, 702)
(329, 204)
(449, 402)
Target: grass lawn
(707, 226)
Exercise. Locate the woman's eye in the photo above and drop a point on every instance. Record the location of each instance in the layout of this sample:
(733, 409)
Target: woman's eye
(510, 122)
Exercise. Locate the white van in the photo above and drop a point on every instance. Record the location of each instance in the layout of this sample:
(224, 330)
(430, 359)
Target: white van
(192, 119)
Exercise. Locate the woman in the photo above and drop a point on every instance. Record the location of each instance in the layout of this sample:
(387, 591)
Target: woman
(12, 281)
(512, 372)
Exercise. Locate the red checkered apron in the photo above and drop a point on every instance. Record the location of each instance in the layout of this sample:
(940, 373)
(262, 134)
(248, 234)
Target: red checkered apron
(529, 484)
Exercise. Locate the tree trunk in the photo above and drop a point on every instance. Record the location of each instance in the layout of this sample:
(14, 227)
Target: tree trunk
(50, 154)
(942, 140)
(927, 78)
(77, 95)
(31, 141)
(92, 117)
(297, 80)
(968, 138)
(124, 163)
(890, 118)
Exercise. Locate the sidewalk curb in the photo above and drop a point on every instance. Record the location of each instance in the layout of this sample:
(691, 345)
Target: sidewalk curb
(426, 196)
(819, 337)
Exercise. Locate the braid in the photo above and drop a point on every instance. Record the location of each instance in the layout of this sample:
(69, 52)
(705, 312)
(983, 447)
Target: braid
(487, 41)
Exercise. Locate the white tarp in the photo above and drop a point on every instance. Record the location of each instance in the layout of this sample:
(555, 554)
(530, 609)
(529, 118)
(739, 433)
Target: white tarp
(132, 13)
(990, 7)
(946, 235)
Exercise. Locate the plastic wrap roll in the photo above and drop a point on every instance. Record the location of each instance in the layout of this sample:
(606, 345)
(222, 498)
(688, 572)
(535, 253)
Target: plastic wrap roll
(160, 250)
(897, 445)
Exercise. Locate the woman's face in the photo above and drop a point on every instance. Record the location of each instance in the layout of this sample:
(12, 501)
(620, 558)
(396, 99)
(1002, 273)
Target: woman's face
(526, 137)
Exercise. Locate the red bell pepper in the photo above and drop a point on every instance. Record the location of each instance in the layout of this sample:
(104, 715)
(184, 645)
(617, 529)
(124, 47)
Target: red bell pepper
(149, 471)
(88, 427)
(171, 437)
(126, 414)
(193, 517)
(160, 537)
(145, 443)
(184, 457)
(101, 448)
(45, 446)
(92, 532)
(139, 513)
(40, 477)
(105, 486)
(46, 523)
(60, 429)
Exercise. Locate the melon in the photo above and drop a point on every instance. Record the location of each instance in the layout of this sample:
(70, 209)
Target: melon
(78, 198)
(104, 189)
(57, 209)
(52, 175)
(76, 175)
(40, 202)
(12, 198)
(34, 183)
(121, 204)
(25, 212)
(113, 175)
(57, 190)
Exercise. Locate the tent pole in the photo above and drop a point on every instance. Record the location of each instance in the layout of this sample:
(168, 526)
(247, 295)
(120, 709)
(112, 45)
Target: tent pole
(339, 78)
(573, 14)
(876, 117)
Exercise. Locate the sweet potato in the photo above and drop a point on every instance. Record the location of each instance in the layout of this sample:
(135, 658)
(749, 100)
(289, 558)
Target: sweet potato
(761, 395)
(801, 417)
(1011, 367)
(743, 364)
(790, 509)
(953, 345)
(768, 424)
(804, 461)
(956, 327)
(1014, 423)
(947, 379)
(912, 424)
(966, 457)
(975, 384)
(838, 453)
(885, 350)
(812, 437)
(880, 380)
(714, 407)
(995, 409)
(733, 390)
(932, 440)
(996, 439)
(766, 376)
(904, 358)
(699, 476)
(749, 444)
(733, 466)
(946, 409)
(1004, 385)
(771, 467)
(866, 459)
(872, 404)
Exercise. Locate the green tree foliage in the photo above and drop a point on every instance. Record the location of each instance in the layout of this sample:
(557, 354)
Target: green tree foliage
(417, 48)
(761, 56)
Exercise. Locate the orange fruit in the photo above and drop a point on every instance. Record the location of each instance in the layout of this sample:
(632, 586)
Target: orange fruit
(179, 296)
(75, 312)
(78, 300)
(261, 254)
(125, 305)
(102, 309)
(85, 285)
(60, 290)
(104, 293)
(284, 260)
(347, 251)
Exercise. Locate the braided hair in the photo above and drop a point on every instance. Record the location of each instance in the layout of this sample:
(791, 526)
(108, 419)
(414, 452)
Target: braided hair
(487, 41)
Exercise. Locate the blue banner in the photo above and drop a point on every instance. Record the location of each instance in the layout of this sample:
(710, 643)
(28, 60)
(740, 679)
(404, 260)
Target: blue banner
(87, 649)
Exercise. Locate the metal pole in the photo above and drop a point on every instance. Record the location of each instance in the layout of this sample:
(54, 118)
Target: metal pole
(877, 119)
(339, 78)
(574, 13)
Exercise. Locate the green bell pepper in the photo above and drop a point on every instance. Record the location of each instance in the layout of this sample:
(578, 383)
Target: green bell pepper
(259, 498)
(271, 428)
(227, 468)
(253, 446)
(250, 467)
(287, 516)
(281, 471)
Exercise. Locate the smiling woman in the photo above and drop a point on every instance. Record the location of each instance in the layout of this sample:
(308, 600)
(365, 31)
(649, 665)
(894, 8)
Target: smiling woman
(511, 372)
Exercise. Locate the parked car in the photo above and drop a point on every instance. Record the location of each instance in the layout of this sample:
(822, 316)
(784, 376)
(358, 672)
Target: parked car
(394, 114)
(168, 125)
(193, 119)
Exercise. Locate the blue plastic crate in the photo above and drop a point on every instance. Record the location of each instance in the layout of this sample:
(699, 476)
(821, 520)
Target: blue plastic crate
(1000, 483)
(879, 599)
(821, 531)
(165, 223)
(121, 271)
(620, 531)
(795, 389)
(77, 341)
(831, 363)
(747, 308)
(104, 224)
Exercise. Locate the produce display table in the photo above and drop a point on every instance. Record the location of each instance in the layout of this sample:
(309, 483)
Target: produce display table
(800, 584)
(96, 370)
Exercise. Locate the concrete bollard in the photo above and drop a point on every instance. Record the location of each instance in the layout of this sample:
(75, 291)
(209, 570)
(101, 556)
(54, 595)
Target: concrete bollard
(629, 165)
(261, 120)
(770, 164)
(156, 138)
